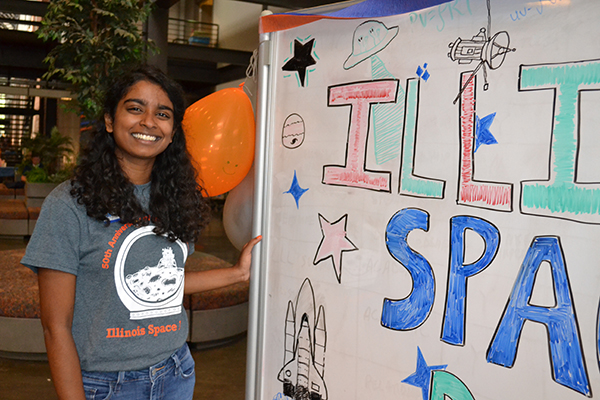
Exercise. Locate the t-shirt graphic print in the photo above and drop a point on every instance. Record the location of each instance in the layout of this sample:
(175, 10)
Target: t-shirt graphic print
(128, 311)
(148, 282)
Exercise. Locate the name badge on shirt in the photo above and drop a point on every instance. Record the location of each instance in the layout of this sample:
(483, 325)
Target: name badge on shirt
(112, 219)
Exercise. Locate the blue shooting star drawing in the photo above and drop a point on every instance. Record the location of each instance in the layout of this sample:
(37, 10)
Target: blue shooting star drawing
(483, 135)
(295, 190)
(422, 376)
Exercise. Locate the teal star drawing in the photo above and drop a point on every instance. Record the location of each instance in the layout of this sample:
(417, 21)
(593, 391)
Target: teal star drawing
(422, 376)
(295, 190)
(301, 60)
(483, 135)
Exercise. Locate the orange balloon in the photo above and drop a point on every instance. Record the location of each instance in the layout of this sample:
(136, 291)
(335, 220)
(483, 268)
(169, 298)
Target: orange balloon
(219, 131)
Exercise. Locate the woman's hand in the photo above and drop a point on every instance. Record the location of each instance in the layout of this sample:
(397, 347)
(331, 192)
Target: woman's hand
(245, 259)
(200, 281)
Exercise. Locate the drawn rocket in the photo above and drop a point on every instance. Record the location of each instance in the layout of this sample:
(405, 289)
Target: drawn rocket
(305, 342)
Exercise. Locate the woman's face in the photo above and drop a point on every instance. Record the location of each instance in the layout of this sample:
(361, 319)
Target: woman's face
(143, 123)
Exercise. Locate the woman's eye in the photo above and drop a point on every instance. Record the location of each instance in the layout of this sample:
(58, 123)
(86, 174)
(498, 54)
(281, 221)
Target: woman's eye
(164, 115)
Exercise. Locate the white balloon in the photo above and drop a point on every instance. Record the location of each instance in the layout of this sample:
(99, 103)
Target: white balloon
(237, 212)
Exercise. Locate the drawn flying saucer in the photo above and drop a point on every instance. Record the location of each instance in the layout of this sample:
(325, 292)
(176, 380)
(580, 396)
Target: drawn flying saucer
(369, 38)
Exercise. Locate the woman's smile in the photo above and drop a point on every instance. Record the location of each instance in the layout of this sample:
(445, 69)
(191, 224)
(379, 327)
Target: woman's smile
(145, 137)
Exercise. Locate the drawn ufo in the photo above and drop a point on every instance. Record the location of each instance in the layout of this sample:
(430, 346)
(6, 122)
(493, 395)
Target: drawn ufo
(369, 38)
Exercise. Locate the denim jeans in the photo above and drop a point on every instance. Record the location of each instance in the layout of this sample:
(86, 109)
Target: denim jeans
(173, 378)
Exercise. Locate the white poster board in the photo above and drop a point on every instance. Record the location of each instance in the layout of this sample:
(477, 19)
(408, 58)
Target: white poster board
(431, 205)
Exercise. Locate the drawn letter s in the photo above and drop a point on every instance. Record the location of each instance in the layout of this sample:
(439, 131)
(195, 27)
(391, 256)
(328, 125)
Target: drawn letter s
(412, 311)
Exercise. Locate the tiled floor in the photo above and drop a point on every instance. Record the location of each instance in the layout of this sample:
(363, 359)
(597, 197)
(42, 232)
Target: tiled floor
(220, 371)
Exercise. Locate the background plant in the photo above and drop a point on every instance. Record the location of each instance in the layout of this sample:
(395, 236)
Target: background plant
(54, 152)
(97, 38)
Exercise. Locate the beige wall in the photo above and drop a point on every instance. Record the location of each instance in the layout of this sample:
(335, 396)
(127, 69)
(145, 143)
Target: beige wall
(238, 23)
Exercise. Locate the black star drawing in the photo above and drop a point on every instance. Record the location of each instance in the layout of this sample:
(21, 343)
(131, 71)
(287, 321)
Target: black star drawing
(301, 60)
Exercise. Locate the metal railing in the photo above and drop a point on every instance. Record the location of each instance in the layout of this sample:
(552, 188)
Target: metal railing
(19, 22)
(16, 118)
(18, 112)
(191, 32)
(180, 31)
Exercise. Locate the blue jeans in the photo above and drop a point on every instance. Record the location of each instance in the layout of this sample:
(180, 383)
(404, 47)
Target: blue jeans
(173, 378)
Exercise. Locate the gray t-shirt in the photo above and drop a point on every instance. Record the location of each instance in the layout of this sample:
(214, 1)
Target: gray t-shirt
(128, 303)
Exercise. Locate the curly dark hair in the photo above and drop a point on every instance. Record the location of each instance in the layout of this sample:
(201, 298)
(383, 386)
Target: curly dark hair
(177, 207)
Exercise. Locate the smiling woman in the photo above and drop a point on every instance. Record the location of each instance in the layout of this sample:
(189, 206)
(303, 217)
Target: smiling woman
(110, 248)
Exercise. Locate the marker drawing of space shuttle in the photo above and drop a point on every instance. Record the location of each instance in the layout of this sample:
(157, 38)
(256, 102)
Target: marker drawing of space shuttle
(305, 342)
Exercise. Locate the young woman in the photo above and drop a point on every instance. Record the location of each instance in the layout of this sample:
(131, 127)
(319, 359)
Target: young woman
(110, 246)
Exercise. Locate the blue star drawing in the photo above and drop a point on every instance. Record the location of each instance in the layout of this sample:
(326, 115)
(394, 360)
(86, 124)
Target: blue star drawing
(482, 131)
(295, 190)
(422, 376)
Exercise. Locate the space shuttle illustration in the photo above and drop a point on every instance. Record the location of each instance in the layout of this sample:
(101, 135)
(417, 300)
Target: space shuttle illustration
(305, 342)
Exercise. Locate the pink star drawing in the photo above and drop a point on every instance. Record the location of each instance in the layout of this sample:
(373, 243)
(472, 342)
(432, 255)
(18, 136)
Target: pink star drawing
(334, 242)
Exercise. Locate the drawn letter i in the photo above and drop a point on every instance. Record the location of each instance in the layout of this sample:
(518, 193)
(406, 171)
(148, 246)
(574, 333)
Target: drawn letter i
(359, 96)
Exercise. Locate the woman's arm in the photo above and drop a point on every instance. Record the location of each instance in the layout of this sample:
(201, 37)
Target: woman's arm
(200, 281)
(57, 301)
